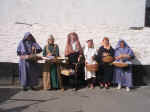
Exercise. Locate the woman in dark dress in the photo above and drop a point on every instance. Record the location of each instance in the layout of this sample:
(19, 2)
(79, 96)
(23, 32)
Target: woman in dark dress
(74, 52)
(105, 73)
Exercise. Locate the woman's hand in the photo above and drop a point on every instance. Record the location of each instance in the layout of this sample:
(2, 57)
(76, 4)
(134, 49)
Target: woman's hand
(117, 57)
(23, 57)
(105, 54)
(49, 54)
(79, 58)
(86, 63)
(124, 56)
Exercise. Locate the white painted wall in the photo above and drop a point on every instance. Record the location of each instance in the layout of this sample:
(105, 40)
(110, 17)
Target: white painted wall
(89, 18)
(109, 12)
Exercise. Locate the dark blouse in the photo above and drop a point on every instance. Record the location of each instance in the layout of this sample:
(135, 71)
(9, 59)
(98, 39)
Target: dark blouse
(102, 50)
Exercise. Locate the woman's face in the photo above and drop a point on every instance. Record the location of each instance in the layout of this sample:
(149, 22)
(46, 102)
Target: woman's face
(90, 44)
(73, 38)
(29, 37)
(50, 41)
(122, 44)
(106, 42)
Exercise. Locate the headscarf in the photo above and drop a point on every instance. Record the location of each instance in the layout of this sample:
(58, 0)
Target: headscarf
(68, 49)
(21, 49)
(125, 44)
(126, 49)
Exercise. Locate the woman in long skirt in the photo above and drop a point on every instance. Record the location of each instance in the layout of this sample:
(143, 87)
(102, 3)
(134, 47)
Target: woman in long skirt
(74, 52)
(105, 73)
(28, 73)
(51, 72)
(123, 76)
(89, 53)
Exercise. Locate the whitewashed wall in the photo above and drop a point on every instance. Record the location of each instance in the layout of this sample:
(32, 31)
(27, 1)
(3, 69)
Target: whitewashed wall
(89, 18)
(111, 12)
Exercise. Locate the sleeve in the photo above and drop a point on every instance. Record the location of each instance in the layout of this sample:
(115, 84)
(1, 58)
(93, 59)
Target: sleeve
(95, 52)
(116, 53)
(38, 48)
(19, 49)
(44, 51)
(97, 57)
(131, 54)
(112, 52)
(85, 52)
(57, 50)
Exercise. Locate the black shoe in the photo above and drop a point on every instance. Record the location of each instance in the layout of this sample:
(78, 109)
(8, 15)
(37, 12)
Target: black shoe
(34, 89)
(25, 89)
(75, 89)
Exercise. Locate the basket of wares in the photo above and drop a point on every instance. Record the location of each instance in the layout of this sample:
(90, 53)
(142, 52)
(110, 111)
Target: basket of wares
(66, 72)
(120, 64)
(92, 67)
(33, 57)
(107, 59)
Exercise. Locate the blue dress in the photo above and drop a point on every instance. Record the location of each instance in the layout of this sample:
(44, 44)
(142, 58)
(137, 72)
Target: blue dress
(123, 76)
(28, 72)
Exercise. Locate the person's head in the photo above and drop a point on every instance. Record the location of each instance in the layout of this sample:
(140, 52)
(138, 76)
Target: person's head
(51, 39)
(72, 37)
(106, 41)
(90, 43)
(122, 45)
(28, 37)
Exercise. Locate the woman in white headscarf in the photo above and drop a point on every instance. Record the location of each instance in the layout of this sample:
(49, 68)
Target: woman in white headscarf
(89, 53)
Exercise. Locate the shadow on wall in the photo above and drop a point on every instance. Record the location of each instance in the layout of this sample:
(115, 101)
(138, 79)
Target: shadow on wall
(147, 14)
(139, 73)
(9, 73)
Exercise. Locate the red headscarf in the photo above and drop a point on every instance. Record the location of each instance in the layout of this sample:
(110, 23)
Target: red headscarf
(68, 49)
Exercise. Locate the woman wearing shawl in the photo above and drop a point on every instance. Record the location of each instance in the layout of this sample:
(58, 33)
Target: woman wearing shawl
(105, 73)
(89, 53)
(28, 68)
(51, 76)
(123, 76)
(74, 52)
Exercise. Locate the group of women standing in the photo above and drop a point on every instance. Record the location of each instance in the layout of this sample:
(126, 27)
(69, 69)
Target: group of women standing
(78, 57)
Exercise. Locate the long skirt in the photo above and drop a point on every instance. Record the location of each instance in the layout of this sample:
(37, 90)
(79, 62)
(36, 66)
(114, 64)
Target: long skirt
(89, 74)
(105, 73)
(51, 76)
(123, 76)
(28, 73)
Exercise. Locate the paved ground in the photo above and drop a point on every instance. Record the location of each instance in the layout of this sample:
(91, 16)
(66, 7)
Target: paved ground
(12, 99)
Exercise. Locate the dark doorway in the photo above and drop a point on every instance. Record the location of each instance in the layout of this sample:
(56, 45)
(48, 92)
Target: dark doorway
(147, 14)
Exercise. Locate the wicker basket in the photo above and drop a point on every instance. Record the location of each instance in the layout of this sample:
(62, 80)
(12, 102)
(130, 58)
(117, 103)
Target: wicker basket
(108, 59)
(92, 67)
(120, 65)
(66, 72)
(34, 58)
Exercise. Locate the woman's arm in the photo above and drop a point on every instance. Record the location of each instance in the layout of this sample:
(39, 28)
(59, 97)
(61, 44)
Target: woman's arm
(57, 50)
(44, 52)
